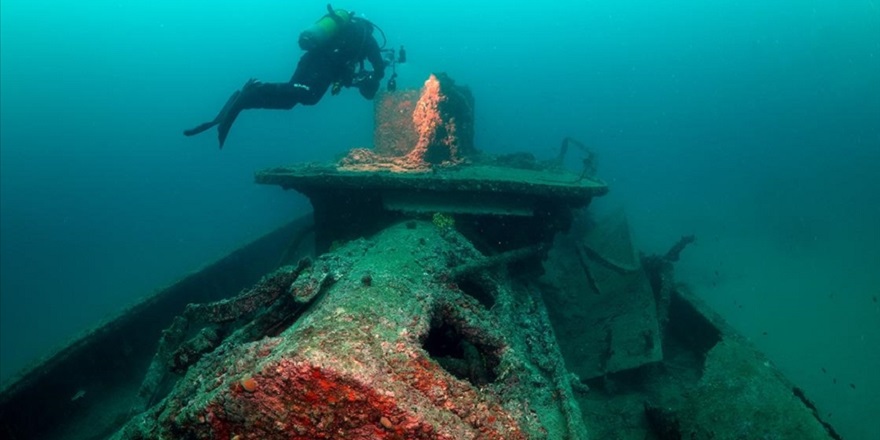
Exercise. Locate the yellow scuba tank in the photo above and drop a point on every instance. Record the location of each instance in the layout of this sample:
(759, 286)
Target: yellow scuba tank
(324, 29)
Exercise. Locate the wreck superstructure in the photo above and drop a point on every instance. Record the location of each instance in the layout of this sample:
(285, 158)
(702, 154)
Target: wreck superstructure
(435, 292)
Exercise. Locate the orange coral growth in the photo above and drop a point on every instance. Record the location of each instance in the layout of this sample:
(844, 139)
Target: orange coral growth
(249, 384)
(386, 422)
(426, 118)
(428, 137)
(431, 128)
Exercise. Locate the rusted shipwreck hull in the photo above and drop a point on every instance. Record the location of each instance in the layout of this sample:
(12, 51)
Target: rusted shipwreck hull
(438, 294)
(422, 329)
(85, 389)
(388, 350)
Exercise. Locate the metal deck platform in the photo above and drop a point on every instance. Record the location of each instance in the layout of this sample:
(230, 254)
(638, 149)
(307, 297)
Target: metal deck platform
(498, 203)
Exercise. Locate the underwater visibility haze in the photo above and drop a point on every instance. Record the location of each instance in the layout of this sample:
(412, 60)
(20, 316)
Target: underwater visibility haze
(754, 125)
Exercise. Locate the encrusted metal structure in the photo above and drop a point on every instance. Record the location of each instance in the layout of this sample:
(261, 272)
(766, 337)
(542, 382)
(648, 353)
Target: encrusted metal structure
(449, 294)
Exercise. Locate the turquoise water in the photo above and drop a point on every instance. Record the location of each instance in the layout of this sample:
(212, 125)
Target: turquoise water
(754, 125)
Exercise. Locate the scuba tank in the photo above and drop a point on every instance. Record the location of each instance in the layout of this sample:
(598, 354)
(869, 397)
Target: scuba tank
(325, 29)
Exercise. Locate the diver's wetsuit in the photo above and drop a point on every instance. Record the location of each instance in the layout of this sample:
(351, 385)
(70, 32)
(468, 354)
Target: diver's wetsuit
(337, 62)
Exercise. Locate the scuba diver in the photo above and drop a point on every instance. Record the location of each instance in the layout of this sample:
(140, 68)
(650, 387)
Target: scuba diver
(336, 47)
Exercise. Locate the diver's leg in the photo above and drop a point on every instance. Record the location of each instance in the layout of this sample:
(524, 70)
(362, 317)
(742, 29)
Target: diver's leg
(313, 75)
(255, 94)
(308, 85)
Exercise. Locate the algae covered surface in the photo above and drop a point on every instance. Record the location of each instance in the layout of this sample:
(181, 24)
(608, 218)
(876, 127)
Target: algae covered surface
(740, 396)
(392, 347)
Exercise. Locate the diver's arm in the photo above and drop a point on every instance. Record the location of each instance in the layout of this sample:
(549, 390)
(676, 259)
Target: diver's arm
(374, 56)
(369, 85)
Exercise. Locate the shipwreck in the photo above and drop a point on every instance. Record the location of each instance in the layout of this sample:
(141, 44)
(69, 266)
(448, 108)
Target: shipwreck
(435, 292)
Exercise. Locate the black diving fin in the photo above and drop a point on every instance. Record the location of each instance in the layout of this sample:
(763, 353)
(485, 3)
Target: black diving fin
(220, 116)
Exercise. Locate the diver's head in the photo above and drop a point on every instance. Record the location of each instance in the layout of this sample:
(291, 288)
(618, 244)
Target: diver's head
(325, 29)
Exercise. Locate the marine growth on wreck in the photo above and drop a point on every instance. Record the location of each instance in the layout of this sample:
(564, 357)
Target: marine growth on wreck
(436, 292)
